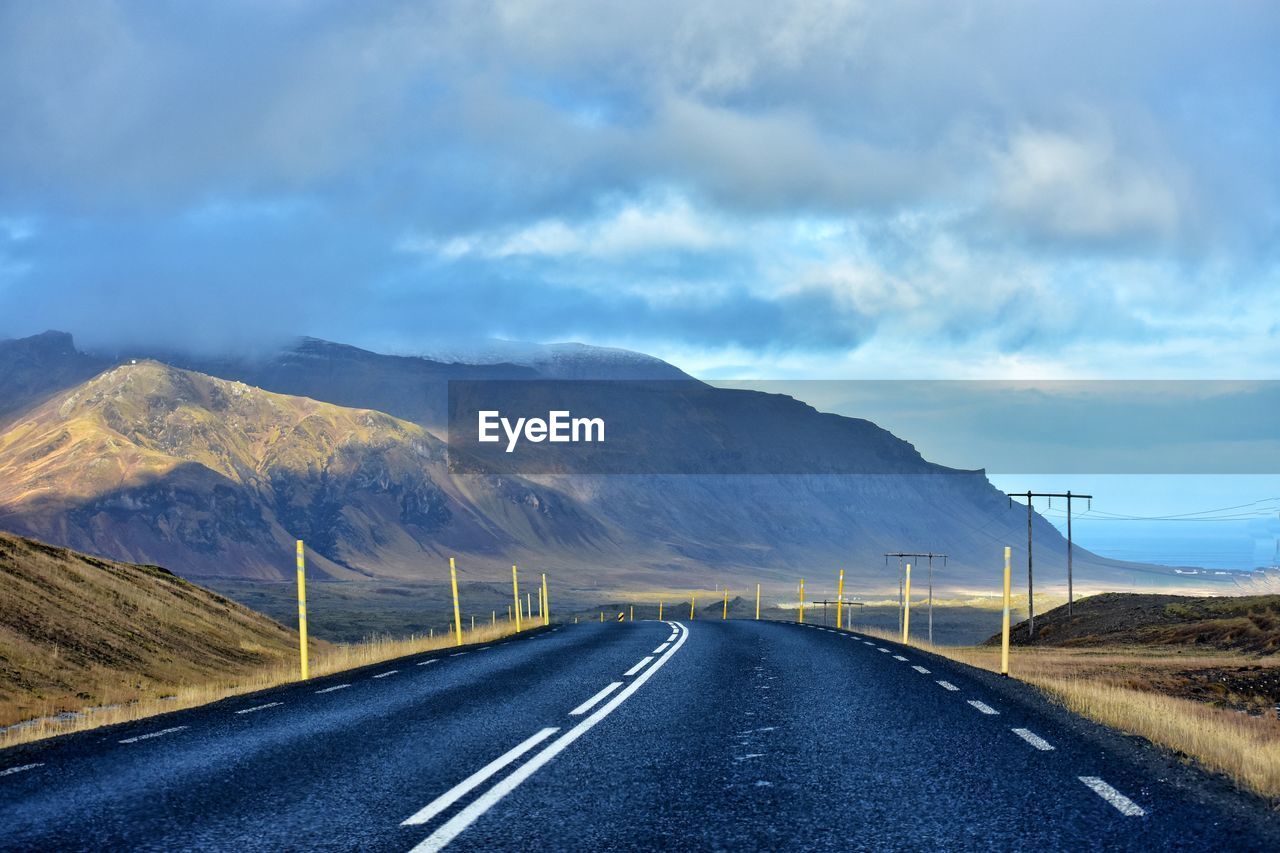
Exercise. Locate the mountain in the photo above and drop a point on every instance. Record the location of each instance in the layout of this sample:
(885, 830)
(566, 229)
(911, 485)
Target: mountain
(150, 463)
(78, 631)
(33, 368)
(213, 465)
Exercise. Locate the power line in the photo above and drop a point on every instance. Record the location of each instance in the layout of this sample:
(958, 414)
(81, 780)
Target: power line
(1031, 605)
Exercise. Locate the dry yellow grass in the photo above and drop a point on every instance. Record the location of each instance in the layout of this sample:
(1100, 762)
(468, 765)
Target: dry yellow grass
(334, 658)
(1119, 688)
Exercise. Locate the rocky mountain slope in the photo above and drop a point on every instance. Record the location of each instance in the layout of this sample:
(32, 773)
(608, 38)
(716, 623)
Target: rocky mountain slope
(342, 447)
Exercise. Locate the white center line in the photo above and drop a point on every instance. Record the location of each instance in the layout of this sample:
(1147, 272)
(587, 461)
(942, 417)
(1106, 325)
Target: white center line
(476, 779)
(385, 674)
(460, 654)
(1033, 739)
(425, 662)
(886, 651)
(899, 657)
(259, 707)
(662, 648)
(947, 685)
(983, 707)
(1123, 804)
(450, 830)
(150, 735)
(867, 643)
(333, 688)
(641, 665)
(920, 670)
(594, 700)
(11, 770)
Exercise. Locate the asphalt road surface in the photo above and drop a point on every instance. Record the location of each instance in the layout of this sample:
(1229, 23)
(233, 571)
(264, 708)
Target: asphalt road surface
(688, 735)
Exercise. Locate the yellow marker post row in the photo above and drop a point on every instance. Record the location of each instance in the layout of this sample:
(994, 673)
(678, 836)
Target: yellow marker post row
(515, 592)
(840, 601)
(457, 612)
(1004, 628)
(302, 610)
(906, 613)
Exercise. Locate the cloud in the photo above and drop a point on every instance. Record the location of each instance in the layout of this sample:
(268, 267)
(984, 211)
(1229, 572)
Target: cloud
(841, 179)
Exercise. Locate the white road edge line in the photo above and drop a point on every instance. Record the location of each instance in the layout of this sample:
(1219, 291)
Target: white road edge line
(983, 707)
(594, 700)
(463, 819)
(1033, 739)
(1123, 804)
(947, 685)
(11, 770)
(333, 688)
(644, 661)
(150, 735)
(259, 708)
(476, 779)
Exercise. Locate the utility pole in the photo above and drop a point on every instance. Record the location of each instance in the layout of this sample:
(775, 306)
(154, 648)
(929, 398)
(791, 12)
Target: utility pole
(930, 555)
(1031, 605)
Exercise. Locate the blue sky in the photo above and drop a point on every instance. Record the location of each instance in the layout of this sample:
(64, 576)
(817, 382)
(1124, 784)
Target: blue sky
(972, 190)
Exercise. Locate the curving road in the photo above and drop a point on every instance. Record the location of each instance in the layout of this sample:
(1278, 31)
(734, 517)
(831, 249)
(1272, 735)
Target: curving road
(680, 735)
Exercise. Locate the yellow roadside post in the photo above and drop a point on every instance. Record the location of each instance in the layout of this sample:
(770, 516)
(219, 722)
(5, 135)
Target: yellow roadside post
(725, 614)
(692, 600)
(302, 609)
(840, 601)
(757, 601)
(906, 612)
(473, 623)
(801, 601)
(546, 602)
(542, 610)
(515, 592)
(493, 619)
(1004, 629)
(601, 615)
(631, 617)
(457, 613)
(659, 609)
(528, 606)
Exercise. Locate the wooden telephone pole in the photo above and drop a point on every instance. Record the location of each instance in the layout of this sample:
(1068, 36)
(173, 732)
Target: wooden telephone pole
(930, 555)
(1031, 606)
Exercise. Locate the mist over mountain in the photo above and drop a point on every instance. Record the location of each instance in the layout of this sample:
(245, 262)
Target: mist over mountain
(212, 466)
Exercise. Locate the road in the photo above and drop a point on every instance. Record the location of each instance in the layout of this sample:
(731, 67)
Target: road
(736, 735)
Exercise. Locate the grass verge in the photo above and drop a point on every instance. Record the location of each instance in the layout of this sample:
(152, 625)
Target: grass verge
(333, 659)
(1110, 687)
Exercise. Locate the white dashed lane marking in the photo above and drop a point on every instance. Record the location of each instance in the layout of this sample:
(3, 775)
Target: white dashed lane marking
(385, 674)
(425, 662)
(150, 735)
(1123, 804)
(9, 771)
(594, 700)
(983, 707)
(1033, 739)
(886, 651)
(333, 688)
(460, 654)
(947, 685)
(899, 657)
(259, 708)
(641, 665)
(920, 670)
(660, 649)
